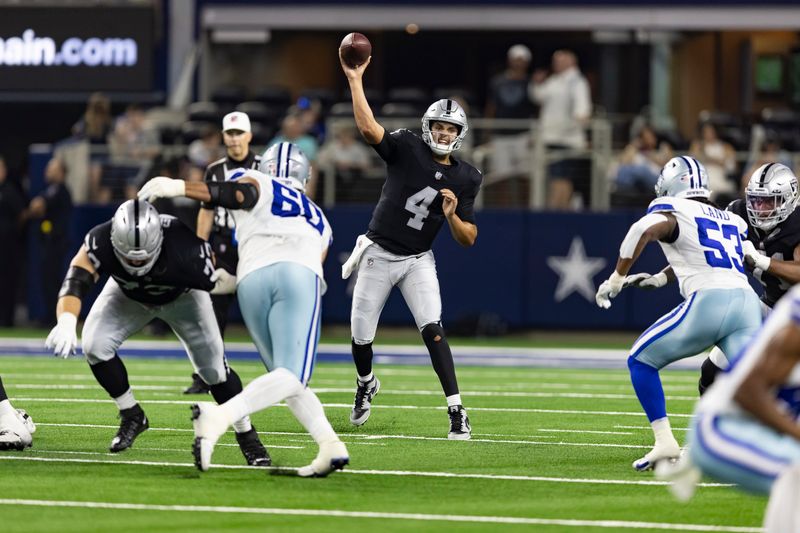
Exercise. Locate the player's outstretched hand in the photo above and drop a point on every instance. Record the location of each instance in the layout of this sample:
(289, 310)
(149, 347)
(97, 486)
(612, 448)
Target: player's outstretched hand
(354, 73)
(753, 257)
(224, 282)
(161, 187)
(62, 338)
(643, 280)
(449, 202)
(609, 289)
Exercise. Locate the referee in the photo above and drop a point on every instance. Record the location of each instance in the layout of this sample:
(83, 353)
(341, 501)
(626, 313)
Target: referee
(215, 224)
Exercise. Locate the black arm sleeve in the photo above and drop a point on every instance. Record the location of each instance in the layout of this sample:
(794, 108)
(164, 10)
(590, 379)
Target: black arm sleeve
(77, 283)
(223, 193)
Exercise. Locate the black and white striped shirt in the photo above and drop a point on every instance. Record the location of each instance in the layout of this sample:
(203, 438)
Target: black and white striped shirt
(218, 171)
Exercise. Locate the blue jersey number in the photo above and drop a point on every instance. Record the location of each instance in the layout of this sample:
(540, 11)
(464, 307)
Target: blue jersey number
(288, 202)
(717, 256)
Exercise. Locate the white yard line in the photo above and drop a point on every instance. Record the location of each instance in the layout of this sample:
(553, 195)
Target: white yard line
(401, 473)
(350, 406)
(649, 428)
(585, 431)
(337, 513)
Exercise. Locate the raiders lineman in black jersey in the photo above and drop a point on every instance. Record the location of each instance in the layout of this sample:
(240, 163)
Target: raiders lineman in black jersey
(425, 187)
(215, 224)
(157, 269)
(772, 249)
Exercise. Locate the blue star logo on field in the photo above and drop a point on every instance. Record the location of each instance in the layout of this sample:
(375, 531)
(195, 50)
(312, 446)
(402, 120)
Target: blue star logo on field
(576, 271)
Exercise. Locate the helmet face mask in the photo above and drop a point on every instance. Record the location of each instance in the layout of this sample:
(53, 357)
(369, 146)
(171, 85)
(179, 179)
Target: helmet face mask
(770, 195)
(683, 177)
(136, 236)
(449, 112)
(286, 164)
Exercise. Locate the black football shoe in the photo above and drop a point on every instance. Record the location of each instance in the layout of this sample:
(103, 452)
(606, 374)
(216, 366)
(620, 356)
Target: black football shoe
(459, 423)
(198, 386)
(132, 422)
(362, 403)
(254, 452)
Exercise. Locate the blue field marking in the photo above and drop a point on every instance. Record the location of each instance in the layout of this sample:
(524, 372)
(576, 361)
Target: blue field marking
(416, 355)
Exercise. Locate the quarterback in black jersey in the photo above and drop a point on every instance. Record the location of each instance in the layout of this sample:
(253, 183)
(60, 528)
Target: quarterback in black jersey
(157, 269)
(772, 249)
(425, 187)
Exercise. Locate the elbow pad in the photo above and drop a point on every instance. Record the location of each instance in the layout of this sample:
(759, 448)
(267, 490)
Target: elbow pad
(77, 283)
(631, 240)
(223, 193)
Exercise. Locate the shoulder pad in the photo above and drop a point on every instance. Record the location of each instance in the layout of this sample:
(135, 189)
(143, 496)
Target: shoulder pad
(662, 205)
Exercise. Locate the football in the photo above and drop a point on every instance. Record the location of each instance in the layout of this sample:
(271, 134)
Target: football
(355, 49)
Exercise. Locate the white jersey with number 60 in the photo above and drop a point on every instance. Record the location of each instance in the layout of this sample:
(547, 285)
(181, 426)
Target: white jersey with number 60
(707, 253)
(283, 226)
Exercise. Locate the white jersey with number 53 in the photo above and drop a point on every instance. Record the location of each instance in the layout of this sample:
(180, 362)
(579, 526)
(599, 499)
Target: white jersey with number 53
(283, 226)
(706, 251)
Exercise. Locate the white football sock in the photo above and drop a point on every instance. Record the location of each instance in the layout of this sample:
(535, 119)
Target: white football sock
(307, 408)
(367, 378)
(663, 432)
(242, 425)
(126, 401)
(260, 393)
(6, 408)
(454, 399)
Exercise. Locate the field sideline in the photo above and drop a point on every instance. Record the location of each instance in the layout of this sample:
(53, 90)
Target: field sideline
(551, 451)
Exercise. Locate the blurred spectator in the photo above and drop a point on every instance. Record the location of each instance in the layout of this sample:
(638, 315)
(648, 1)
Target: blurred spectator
(348, 159)
(641, 162)
(133, 146)
(204, 151)
(292, 130)
(95, 127)
(509, 99)
(770, 152)
(51, 212)
(310, 113)
(719, 158)
(566, 108)
(12, 204)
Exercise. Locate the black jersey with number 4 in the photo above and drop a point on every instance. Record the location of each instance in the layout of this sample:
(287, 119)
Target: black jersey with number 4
(778, 243)
(184, 263)
(409, 213)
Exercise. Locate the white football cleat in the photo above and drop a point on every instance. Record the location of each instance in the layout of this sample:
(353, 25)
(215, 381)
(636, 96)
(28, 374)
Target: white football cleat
(26, 420)
(209, 425)
(14, 435)
(659, 452)
(332, 456)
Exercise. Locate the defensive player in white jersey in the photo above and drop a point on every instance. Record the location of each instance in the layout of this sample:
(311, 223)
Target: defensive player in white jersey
(745, 428)
(283, 239)
(703, 246)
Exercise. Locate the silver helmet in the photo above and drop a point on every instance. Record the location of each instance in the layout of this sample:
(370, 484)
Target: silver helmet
(449, 111)
(683, 177)
(136, 236)
(287, 164)
(770, 195)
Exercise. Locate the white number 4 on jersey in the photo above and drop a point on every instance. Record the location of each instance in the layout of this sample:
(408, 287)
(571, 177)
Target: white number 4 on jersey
(418, 204)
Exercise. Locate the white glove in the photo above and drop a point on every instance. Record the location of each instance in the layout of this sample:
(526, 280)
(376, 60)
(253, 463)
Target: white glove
(225, 282)
(63, 339)
(161, 187)
(755, 257)
(643, 280)
(609, 289)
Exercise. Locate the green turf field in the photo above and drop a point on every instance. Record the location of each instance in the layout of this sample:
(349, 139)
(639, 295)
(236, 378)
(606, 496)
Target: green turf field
(551, 451)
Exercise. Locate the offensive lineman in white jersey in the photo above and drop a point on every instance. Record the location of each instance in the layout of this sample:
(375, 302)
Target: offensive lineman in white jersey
(283, 239)
(703, 246)
(745, 428)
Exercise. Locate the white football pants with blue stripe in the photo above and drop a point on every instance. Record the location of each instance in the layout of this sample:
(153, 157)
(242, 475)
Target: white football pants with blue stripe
(738, 449)
(280, 305)
(727, 318)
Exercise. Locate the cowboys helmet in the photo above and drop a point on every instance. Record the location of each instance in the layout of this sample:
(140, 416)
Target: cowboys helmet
(286, 164)
(683, 177)
(771, 195)
(136, 236)
(449, 111)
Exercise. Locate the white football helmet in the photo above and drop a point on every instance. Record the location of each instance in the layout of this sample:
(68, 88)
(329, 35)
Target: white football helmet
(449, 111)
(136, 236)
(683, 177)
(771, 195)
(287, 164)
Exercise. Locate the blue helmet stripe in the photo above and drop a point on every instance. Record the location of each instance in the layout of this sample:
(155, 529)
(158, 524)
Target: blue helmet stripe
(288, 159)
(280, 154)
(691, 171)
